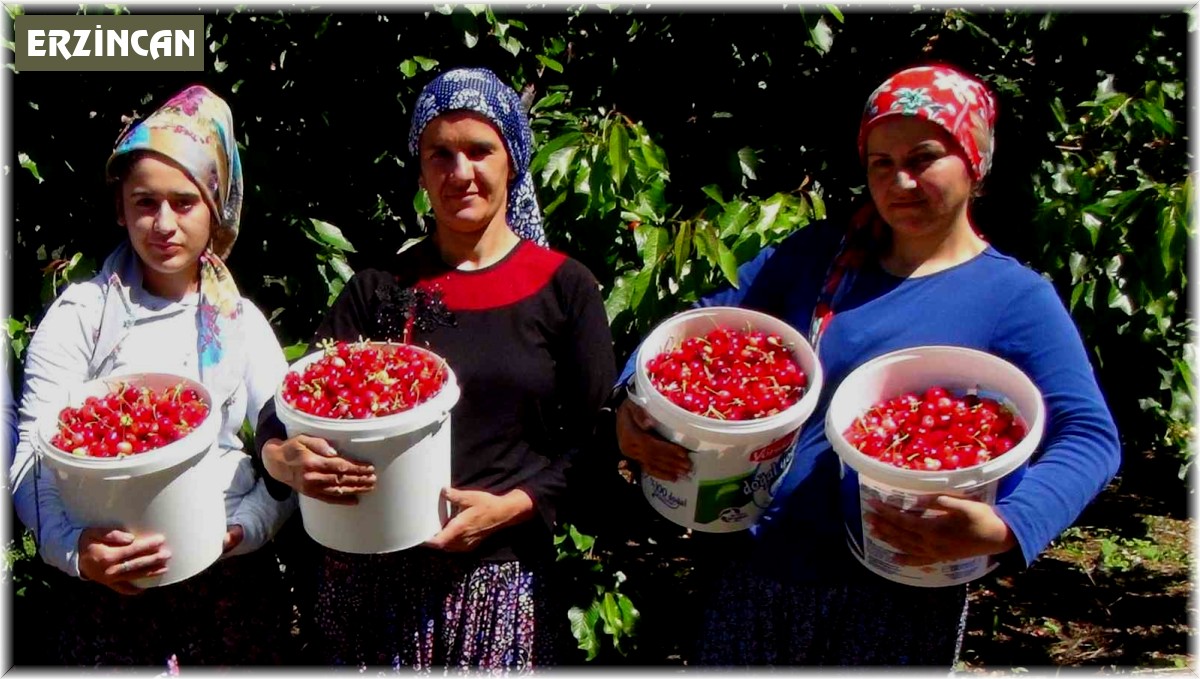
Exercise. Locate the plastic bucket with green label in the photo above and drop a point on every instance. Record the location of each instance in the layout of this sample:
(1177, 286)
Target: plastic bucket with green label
(734, 463)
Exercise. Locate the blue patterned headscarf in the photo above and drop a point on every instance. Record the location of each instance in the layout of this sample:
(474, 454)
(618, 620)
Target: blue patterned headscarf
(479, 90)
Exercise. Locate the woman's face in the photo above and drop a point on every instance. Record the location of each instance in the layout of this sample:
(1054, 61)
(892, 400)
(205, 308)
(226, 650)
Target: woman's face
(168, 221)
(464, 167)
(918, 177)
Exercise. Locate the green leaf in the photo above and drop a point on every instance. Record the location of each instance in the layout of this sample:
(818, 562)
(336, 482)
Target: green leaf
(1077, 263)
(610, 613)
(28, 164)
(583, 628)
(641, 284)
(558, 165)
(820, 36)
(582, 542)
(475, 9)
(332, 235)
(426, 63)
(408, 67)
(550, 147)
(552, 99)
(618, 152)
(713, 191)
(728, 264)
(837, 13)
(470, 39)
(295, 351)
(1118, 300)
(748, 161)
(619, 295)
(1171, 220)
(342, 268)
(734, 218)
(550, 63)
(767, 212)
(421, 203)
(1060, 113)
(511, 45)
(1092, 224)
(14, 326)
(683, 248)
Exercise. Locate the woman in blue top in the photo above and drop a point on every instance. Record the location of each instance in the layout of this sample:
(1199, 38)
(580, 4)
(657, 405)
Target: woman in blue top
(911, 270)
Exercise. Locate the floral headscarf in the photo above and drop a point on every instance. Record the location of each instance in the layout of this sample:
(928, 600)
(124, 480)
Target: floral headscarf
(479, 90)
(195, 129)
(941, 94)
(958, 103)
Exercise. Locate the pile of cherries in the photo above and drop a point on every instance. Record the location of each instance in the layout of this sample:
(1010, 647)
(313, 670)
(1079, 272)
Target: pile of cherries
(730, 374)
(359, 380)
(936, 431)
(130, 420)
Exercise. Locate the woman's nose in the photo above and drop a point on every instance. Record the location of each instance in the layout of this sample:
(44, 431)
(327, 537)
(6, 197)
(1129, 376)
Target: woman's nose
(462, 167)
(905, 180)
(164, 220)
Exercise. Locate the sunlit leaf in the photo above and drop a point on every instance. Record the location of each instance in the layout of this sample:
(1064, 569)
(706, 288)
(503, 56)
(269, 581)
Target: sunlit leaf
(550, 63)
(332, 235)
(618, 152)
(28, 164)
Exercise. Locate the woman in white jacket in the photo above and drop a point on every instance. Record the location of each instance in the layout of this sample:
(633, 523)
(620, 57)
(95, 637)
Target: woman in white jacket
(165, 302)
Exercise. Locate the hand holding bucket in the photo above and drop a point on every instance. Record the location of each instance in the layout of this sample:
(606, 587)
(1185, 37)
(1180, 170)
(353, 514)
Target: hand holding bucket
(948, 528)
(313, 468)
(637, 439)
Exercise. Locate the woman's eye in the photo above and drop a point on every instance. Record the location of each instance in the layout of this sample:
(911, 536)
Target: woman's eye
(922, 159)
(146, 203)
(183, 206)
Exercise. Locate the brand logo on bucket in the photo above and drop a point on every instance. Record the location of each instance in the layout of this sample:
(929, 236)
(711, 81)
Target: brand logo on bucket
(774, 448)
(733, 515)
(151, 42)
(664, 495)
(764, 478)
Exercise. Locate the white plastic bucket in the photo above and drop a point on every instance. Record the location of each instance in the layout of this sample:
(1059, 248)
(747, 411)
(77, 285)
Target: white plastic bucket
(175, 490)
(734, 463)
(958, 369)
(411, 454)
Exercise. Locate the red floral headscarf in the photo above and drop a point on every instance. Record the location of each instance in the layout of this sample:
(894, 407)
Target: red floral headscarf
(943, 95)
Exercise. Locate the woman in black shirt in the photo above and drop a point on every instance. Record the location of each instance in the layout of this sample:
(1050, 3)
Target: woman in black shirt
(524, 329)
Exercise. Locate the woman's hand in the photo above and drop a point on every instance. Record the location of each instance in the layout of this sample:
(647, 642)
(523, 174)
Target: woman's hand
(113, 558)
(635, 435)
(233, 537)
(477, 514)
(312, 467)
(950, 528)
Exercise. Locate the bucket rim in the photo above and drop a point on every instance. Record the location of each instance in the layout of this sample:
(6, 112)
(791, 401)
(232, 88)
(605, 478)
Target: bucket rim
(442, 402)
(801, 348)
(953, 479)
(171, 455)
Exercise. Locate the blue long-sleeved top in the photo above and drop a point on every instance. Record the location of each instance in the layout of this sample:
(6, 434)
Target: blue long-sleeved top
(991, 303)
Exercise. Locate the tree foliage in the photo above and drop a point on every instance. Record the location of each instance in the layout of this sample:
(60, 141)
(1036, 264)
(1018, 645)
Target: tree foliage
(672, 146)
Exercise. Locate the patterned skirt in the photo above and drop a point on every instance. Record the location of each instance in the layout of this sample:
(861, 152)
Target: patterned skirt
(421, 608)
(756, 620)
(238, 612)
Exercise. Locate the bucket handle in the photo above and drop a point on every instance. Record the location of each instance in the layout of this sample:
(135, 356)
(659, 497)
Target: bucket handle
(638, 399)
